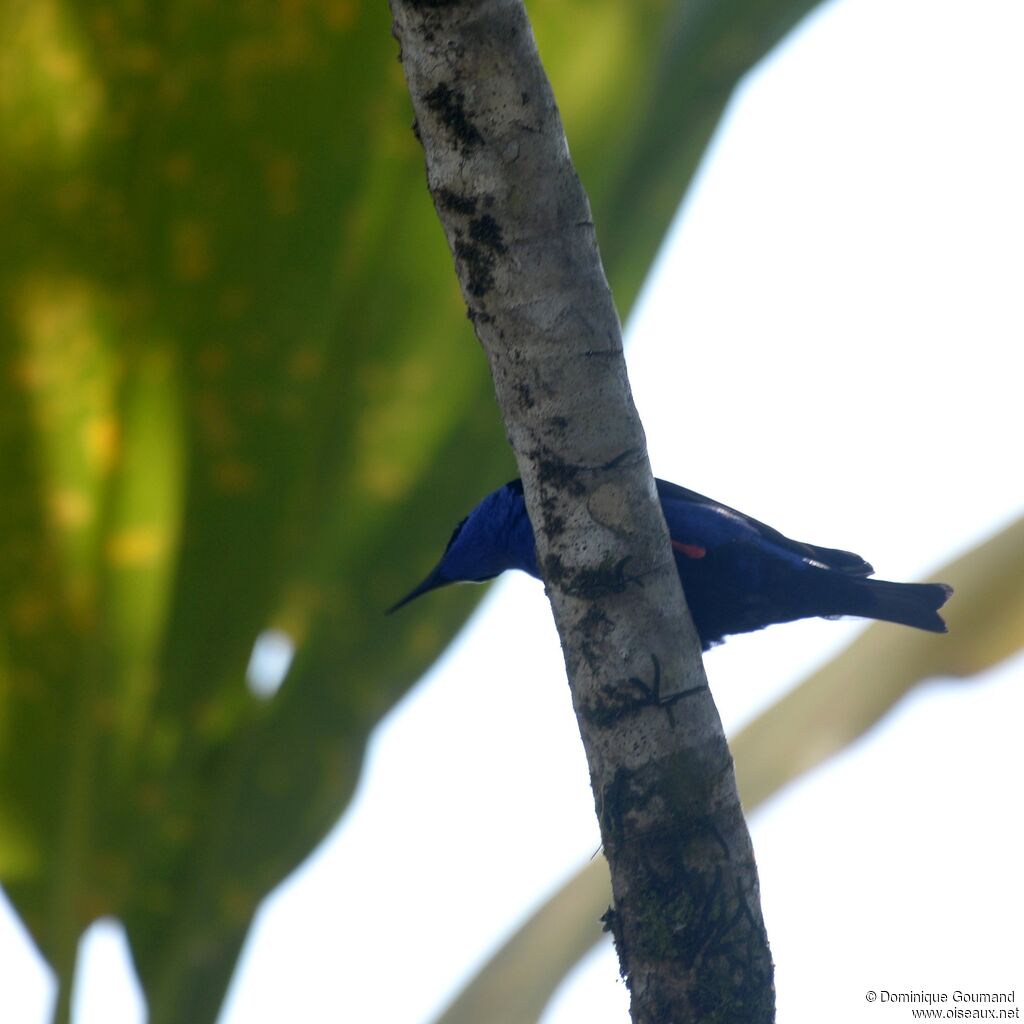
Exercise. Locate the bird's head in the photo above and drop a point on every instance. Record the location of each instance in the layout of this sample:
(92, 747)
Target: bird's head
(494, 537)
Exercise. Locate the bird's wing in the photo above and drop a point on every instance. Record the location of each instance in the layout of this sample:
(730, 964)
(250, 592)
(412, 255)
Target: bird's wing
(732, 525)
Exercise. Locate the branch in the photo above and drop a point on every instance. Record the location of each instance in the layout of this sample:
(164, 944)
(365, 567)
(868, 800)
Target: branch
(687, 918)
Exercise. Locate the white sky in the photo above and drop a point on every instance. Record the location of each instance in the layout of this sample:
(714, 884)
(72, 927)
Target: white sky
(830, 343)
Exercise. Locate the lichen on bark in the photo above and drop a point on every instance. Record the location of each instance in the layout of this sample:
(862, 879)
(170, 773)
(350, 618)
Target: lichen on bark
(687, 919)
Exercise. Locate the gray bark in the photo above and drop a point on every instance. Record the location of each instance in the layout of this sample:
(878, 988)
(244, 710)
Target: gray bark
(686, 919)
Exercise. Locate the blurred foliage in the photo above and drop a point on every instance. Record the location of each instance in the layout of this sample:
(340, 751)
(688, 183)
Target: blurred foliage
(816, 720)
(238, 390)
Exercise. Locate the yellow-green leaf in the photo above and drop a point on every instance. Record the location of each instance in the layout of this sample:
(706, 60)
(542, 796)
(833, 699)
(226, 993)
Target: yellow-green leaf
(238, 390)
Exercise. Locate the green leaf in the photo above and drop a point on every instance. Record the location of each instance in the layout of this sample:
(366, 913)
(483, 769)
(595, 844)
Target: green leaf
(237, 390)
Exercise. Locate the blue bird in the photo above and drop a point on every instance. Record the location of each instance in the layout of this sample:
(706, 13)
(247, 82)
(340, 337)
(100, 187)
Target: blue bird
(738, 574)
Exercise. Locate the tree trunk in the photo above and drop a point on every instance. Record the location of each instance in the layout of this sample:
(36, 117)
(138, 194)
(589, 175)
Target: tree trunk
(687, 918)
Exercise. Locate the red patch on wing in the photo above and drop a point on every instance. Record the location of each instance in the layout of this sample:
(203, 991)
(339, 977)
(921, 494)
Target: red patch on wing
(689, 550)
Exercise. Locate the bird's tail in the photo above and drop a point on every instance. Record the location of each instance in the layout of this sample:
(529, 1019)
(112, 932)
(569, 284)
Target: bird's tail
(910, 604)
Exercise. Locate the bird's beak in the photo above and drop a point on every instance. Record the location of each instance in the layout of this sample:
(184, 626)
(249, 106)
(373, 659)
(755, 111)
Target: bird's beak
(432, 582)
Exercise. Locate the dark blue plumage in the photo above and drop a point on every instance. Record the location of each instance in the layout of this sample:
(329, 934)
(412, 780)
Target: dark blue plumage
(738, 574)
